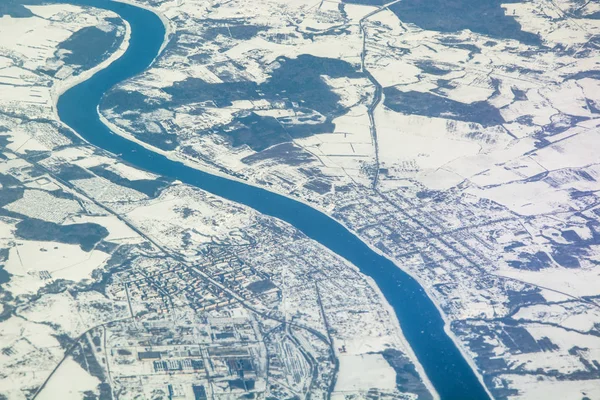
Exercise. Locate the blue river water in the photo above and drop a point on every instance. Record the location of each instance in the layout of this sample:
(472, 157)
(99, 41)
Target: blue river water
(420, 320)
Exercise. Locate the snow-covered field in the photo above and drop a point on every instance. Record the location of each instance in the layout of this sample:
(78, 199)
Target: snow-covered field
(482, 153)
(91, 245)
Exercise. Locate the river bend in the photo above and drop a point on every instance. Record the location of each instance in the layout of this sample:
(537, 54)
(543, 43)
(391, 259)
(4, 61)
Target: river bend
(419, 318)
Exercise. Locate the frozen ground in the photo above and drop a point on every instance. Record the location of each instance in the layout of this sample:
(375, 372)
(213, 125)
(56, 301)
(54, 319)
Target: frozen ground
(111, 278)
(466, 150)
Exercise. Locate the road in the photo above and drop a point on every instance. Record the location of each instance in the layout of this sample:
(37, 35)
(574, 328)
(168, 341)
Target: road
(378, 95)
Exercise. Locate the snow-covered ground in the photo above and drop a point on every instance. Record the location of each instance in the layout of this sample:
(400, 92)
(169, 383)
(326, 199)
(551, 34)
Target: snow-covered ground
(484, 157)
(89, 248)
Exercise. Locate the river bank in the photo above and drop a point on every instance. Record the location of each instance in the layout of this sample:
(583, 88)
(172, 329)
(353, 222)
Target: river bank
(63, 85)
(424, 326)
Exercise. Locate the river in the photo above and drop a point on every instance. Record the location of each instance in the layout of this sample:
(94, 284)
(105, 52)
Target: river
(419, 318)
